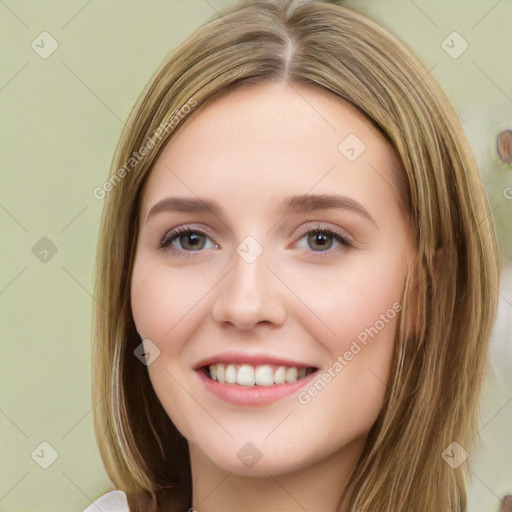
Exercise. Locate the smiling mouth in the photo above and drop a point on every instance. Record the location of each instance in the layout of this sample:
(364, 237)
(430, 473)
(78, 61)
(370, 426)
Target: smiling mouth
(261, 375)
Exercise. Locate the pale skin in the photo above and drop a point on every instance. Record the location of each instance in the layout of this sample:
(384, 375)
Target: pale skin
(298, 299)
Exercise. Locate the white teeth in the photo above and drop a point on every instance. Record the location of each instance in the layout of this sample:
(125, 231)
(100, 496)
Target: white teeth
(230, 374)
(263, 375)
(280, 375)
(245, 375)
(291, 374)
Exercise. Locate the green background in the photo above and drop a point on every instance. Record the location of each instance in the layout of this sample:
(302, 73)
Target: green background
(62, 117)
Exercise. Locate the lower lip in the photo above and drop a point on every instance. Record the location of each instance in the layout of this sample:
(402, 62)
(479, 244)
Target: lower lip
(237, 394)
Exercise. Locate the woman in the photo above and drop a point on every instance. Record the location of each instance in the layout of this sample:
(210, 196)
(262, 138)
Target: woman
(296, 276)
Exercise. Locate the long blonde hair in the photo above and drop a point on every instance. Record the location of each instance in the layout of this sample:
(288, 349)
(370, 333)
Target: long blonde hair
(438, 372)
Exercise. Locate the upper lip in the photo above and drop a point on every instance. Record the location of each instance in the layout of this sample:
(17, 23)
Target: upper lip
(252, 359)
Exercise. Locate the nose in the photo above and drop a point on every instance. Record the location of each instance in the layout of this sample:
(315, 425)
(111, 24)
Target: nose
(249, 295)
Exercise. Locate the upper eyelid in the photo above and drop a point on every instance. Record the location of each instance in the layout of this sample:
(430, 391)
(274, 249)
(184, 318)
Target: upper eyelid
(178, 230)
(319, 226)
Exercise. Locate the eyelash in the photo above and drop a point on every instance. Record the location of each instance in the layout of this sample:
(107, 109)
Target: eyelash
(165, 243)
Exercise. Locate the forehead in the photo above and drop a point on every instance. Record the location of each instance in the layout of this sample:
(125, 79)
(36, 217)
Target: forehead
(264, 141)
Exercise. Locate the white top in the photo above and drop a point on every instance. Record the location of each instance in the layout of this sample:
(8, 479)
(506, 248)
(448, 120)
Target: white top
(113, 501)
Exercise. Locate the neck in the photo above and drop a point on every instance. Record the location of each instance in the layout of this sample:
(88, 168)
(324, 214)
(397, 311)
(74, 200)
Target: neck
(318, 486)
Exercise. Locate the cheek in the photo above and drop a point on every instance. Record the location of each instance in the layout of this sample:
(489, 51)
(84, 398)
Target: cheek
(163, 299)
(349, 299)
(148, 301)
(361, 309)
(165, 310)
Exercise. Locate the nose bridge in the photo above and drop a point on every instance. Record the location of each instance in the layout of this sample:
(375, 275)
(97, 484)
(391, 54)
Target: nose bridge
(250, 293)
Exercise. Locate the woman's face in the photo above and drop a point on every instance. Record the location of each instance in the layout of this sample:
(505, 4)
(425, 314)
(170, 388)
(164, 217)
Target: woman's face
(295, 260)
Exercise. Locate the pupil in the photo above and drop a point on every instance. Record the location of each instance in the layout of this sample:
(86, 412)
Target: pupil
(192, 239)
(320, 239)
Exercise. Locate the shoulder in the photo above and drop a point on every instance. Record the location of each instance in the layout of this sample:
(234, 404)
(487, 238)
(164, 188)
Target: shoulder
(113, 501)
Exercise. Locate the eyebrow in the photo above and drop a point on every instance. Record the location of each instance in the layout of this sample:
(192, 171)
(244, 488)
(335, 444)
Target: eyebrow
(293, 204)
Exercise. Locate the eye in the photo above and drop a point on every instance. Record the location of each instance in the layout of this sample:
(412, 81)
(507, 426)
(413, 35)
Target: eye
(189, 239)
(321, 239)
